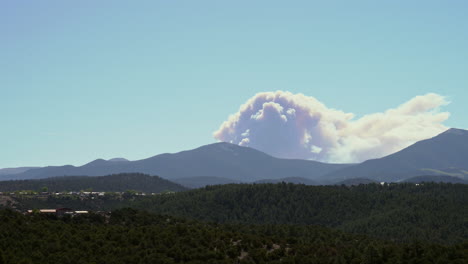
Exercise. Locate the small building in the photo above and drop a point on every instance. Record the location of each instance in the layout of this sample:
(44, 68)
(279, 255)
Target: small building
(58, 212)
(43, 211)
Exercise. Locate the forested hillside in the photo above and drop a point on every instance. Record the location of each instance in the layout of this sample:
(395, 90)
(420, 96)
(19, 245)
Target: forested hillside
(430, 212)
(432, 178)
(128, 236)
(112, 183)
(400, 212)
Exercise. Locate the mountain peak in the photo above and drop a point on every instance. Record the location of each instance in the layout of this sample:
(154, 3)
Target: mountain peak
(456, 131)
(118, 160)
(95, 162)
(223, 144)
(220, 146)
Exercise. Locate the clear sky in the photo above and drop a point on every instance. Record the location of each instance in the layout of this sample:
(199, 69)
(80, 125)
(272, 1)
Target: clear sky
(81, 80)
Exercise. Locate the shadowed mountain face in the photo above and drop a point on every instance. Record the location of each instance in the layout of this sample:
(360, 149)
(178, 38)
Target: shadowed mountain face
(216, 160)
(111, 183)
(355, 181)
(295, 180)
(202, 181)
(445, 154)
(435, 178)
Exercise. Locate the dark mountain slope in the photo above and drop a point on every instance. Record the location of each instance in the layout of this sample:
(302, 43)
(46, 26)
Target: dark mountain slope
(215, 160)
(355, 181)
(295, 180)
(435, 178)
(449, 149)
(202, 181)
(111, 183)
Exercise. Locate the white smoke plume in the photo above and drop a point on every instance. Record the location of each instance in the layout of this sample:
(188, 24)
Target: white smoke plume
(297, 126)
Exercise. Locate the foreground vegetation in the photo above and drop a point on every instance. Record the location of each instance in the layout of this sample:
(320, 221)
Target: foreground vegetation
(243, 223)
(129, 236)
(435, 213)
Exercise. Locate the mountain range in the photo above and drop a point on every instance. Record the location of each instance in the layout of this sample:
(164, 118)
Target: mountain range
(221, 163)
(215, 160)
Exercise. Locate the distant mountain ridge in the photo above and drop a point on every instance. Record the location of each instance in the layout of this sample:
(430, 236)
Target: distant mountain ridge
(215, 160)
(12, 171)
(427, 157)
(355, 181)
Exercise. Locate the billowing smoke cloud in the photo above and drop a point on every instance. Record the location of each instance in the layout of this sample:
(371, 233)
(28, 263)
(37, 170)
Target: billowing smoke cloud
(297, 126)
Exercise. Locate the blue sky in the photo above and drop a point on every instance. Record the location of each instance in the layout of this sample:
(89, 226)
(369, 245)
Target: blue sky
(100, 79)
